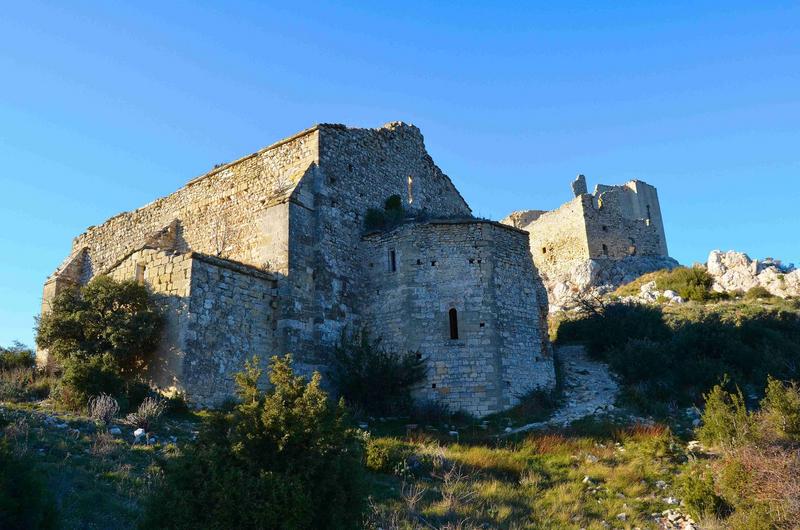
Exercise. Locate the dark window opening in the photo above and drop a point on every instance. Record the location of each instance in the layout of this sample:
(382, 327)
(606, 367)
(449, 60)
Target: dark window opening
(453, 324)
(479, 261)
(350, 167)
(433, 263)
(471, 260)
(648, 212)
(605, 250)
(605, 228)
(332, 180)
(419, 262)
(392, 261)
(483, 324)
(419, 355)
(544, 250)
(433, 385)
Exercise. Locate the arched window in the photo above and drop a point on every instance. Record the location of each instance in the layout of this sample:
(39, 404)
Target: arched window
(453, 323)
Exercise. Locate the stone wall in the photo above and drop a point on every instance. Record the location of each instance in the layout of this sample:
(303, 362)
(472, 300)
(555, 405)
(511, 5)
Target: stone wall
(597, 241)
(358, 169)
(612, 235)
(481, 270)
(636, 204)
(237, 211)
(556, 236)
(232, 317)
(217, 313)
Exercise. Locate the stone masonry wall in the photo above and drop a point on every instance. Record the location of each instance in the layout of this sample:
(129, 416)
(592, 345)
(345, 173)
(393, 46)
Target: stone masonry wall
(557, 236)
(611, 235)
(232, 317)
(596, 241)
(484, 272)
(358, 169)
(217, 314)
(237, 211)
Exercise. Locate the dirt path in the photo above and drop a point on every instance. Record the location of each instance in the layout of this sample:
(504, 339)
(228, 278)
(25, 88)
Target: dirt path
(589, 388)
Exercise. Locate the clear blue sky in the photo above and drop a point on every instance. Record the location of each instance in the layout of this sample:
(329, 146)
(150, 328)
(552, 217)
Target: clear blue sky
(105, 107)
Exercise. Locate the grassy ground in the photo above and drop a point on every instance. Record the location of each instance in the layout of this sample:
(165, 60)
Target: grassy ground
(97, 480)
(593, 476)
(578, 478)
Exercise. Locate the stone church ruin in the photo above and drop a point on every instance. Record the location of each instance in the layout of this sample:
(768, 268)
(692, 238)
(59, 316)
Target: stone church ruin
(269, 254)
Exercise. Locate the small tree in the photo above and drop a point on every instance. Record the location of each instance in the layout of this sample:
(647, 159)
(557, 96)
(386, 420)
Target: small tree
(726, 420)
(118, 318)
(16, 356)
(781, 408)
(102, 334)
(283, 459)
(377, 380)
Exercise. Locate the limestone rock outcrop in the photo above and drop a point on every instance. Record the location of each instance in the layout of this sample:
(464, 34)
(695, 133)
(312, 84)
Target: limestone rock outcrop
(576, 279)
(736, 271)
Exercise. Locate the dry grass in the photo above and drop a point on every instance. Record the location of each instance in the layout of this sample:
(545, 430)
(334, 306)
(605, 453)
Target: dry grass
(538, 482)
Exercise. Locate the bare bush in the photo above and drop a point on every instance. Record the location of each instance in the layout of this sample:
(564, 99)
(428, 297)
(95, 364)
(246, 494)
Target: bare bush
(18, 434)
(103, 444)
(456, 489)
(772, 480)
(103, 408)
(147, 415)
(412, 495)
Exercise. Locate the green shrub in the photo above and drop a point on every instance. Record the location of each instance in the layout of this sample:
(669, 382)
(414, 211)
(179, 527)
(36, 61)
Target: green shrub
(726, 421)
(385, 454)
(17, 384)
(392, 214)
(284, 459)
(374, 219)
(16, 356)
(19, 379)
(373, 379)
(696, 489)
(105, 317)
(757, 292)
(690, 283)
(613, 325)
(393, 203)
(674, 354)
(82, 379)
(781, 408)
(24, 501)
(102, 334)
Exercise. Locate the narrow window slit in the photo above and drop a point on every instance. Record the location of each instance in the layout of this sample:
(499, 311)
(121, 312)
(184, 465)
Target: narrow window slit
(453, 323)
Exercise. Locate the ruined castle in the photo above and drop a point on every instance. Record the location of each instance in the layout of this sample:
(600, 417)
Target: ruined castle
(597, 241)
(269, 254)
